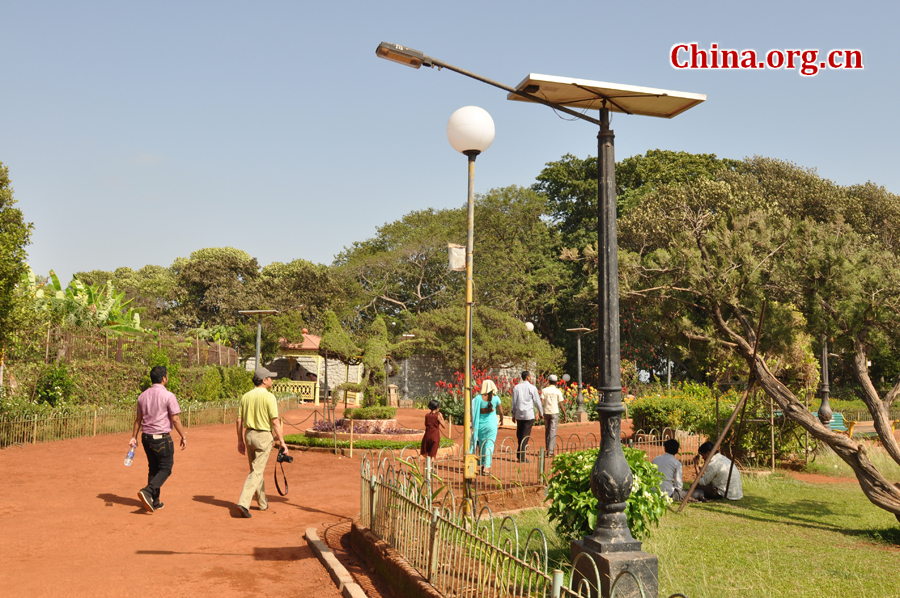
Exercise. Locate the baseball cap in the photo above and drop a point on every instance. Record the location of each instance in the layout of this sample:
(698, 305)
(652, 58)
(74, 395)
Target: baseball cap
(263, 373)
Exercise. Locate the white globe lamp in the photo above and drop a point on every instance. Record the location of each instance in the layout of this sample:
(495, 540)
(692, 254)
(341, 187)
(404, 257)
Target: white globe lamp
(529, 326)
(470, 129)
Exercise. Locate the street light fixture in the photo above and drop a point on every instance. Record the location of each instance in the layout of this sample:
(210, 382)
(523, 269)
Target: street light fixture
(259, 313)
(470, 131)
(406, 337)
(580, 414)
(611, 546)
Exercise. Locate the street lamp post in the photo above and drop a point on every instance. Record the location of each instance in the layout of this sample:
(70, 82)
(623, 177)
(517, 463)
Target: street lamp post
(406, 337)
(470, 131)
(259, 313)
(611, 547)
(825, 412)
(580, 414)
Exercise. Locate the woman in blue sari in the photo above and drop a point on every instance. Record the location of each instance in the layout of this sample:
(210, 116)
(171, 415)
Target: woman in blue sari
(485, 413)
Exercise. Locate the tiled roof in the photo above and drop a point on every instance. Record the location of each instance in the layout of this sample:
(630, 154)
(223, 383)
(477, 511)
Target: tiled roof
(310, 343)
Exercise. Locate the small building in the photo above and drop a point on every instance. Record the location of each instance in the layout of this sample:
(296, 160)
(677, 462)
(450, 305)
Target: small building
(302, 367)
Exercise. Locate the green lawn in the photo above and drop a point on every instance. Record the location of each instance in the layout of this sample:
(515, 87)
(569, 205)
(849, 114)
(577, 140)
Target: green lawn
(783, 539)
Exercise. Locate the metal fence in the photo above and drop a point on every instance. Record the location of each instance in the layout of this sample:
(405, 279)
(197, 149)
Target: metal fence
(461, 555)
(507, 472)
(50, 427)
(54, 344)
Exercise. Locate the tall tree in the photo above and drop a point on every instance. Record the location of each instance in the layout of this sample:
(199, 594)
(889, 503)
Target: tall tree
(15, 235)
(404, 267)
(213, 285)
(711, 254)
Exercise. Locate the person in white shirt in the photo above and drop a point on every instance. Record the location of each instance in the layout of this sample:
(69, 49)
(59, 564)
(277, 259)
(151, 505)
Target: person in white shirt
(672, 469)
(526, 399)
(715, 479)
(550, 397)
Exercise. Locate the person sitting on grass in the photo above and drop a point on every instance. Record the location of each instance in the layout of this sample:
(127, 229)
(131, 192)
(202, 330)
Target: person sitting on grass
(715, 480)
(671, 468)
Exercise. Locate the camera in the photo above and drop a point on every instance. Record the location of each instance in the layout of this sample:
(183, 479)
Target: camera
(284, 458)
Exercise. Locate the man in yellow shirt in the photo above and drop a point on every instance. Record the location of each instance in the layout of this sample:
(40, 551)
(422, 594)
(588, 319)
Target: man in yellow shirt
(257, 419)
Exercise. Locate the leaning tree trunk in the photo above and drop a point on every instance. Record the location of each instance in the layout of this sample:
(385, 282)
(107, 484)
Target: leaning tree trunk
(880, 409)
(881, 492)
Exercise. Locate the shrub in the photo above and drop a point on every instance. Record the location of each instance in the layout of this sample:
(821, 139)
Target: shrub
(210, 386)
(235, 382)
(54, 385)
(574, 508)
(689, 405)
(373, 412)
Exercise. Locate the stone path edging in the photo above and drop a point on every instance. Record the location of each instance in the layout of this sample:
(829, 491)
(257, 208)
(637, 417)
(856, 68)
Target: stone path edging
(340, 575)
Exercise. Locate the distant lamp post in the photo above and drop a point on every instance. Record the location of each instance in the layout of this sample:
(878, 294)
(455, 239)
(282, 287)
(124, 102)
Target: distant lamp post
(259, 313)
(825, 412)
(611, 547)
(406, 337)
(470, 131)
(580, 414)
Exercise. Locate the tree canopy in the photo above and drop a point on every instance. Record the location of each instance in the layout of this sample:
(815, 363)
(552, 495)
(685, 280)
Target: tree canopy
(708, 255)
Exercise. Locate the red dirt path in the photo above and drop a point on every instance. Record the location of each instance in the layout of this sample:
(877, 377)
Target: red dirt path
(71, 523)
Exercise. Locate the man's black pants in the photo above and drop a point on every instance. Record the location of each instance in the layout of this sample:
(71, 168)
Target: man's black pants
(160, 459)
(523, 436)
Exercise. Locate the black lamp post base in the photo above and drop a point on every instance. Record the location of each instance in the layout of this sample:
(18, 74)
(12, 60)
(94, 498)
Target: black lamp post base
(609, 565)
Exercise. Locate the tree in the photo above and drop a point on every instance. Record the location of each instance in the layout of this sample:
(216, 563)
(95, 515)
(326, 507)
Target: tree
(404, 267)
(712, 254)
(570, 187)
(212, 285)
(310, 289)
(15, 235)
(498, 340)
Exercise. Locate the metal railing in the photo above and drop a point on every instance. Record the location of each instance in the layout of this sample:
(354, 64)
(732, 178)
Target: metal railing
(507, 472)
(51, 427)
(462, 555)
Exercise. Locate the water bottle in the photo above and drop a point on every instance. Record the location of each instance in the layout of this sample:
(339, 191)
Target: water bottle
(129, 457)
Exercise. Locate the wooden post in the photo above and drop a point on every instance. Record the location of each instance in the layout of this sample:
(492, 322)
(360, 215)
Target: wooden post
(68, 351)
(771, 430)
(95, 423)
(351, 438)
(47, 352)
(219, 348)
(189, 416)
(119, 350)
(34, 430)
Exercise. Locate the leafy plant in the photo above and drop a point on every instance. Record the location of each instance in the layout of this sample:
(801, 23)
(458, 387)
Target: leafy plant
(54, 386)
(574, 508)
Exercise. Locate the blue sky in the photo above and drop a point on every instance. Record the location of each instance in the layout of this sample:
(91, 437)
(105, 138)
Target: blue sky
(136, 133)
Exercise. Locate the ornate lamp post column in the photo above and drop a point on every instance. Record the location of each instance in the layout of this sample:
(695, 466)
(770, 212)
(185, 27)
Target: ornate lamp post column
(825, 412)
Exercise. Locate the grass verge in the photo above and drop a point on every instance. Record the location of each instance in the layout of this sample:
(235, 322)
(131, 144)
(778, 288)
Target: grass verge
(785, 538)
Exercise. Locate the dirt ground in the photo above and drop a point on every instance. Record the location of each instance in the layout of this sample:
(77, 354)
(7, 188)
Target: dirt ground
(72, 523)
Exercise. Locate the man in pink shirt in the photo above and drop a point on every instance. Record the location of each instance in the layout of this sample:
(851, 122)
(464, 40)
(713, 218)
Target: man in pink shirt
(157, 413)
